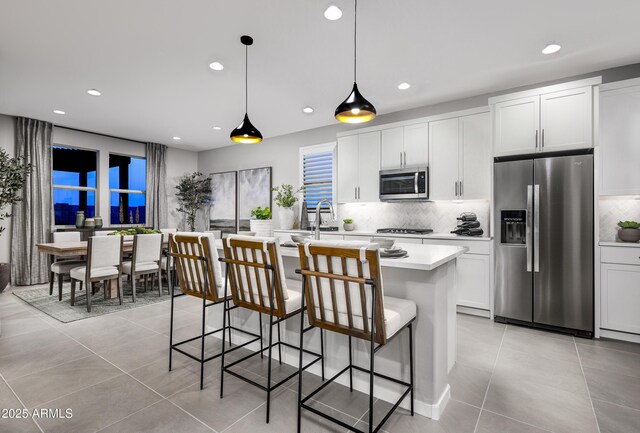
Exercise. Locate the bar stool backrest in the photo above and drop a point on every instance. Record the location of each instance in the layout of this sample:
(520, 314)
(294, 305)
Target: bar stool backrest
(341, 279)
(256, 274)
(197, 265)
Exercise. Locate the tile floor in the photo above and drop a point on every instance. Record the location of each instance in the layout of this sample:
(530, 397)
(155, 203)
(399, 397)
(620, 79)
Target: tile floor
(112, 372)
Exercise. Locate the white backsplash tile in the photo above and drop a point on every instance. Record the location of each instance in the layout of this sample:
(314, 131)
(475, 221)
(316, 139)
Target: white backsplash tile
(439, 216)
(613, 210)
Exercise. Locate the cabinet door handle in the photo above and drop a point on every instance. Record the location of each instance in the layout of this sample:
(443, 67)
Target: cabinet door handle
(461, 183)
(456, 188)
(536, 138)
(400, 159)
(355, 192)
(405, 158)
(358, 193)
(542, 138)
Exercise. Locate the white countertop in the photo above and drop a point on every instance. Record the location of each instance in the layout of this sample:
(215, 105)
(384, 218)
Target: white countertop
(619, 244)
(421, 257)
(449, 236)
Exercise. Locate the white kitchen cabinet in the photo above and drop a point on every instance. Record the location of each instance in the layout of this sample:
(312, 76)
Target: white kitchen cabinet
(358, 167)
(460, 160)
(473, 281)
(404, 146)
(550, 119)
(475, 182)
(444, 156)
(620, 138)
(566, 120)
(620, 297)
(516, 125)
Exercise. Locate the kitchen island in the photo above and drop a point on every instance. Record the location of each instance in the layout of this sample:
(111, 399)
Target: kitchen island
(426, 276)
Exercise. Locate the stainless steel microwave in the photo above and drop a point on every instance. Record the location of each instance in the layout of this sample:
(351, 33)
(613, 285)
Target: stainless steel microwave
(404, 184)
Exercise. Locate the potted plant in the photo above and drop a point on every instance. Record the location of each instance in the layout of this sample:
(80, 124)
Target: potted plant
(286, 199)
(13, 175)
(348, 224)
(261, 223)
(194, 192)
(629, 231)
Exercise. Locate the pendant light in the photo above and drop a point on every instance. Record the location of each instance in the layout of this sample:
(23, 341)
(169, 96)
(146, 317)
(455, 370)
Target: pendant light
(246, 132)
(355, 109)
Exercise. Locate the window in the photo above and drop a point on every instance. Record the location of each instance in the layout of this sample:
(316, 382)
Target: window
(127, 186)
(74, 182)
(317, 174)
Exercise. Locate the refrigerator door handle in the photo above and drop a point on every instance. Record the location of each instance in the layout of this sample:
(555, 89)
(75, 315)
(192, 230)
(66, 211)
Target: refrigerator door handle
(536, 229)
(528, 225)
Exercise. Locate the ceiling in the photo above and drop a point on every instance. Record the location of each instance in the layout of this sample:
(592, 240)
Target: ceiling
(150, 58)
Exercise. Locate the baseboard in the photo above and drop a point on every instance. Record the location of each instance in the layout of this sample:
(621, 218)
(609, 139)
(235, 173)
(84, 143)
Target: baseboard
(617, 335)
(473, 311)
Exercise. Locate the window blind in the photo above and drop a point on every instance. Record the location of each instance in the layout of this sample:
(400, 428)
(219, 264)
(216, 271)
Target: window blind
(317, 172)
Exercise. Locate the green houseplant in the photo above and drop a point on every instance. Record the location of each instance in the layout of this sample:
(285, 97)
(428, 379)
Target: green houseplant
(348, 224)
(629, 231)
(13, 175)
(194, 192)
(286, 198)
(261, 223)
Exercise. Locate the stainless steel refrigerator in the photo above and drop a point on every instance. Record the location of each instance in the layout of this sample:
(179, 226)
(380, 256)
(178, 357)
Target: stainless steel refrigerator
(544, 246)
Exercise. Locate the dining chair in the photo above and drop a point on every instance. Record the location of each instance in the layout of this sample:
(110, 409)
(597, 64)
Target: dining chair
(145, 261)
(63, 267)
(256, 281)
(343, 293)
(167, 262)
(200, 275)
(104, 263)
(103, 232)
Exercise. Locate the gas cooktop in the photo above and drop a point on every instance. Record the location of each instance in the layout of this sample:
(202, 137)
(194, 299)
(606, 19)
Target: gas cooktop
(405, 231)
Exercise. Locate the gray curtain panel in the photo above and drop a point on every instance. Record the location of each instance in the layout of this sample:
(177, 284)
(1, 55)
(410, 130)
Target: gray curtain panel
(31, 221)
(157, 211)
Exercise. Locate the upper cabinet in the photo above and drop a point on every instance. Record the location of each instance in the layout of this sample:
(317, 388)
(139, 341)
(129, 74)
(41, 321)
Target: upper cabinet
(460, 158)
(620, 138)
(358, 167)
(404, 146)
(550, 119)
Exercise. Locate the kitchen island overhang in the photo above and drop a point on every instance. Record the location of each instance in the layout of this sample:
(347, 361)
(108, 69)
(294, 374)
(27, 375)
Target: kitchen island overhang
(426, 276)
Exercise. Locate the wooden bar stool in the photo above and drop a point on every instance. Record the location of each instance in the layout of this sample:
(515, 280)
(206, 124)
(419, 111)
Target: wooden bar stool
(257, 282)
(200, 275)
(342, 289)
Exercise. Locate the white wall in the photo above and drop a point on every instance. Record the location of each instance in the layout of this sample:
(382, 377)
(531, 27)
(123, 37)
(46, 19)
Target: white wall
(7, 142)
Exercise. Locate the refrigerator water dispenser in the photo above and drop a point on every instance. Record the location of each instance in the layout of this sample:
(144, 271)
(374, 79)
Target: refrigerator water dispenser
(513, 227)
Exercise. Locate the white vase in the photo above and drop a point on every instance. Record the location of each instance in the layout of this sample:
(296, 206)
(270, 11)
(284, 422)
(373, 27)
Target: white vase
(261, 227)
(287, 218)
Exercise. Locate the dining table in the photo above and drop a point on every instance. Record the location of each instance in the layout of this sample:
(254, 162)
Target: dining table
(75, 249)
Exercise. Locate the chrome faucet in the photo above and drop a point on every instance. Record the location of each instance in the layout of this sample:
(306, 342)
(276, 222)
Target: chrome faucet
(331, 211)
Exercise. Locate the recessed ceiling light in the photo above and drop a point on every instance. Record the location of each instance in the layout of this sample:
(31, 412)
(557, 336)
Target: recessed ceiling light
(59, 112)
(404, 86)
(333, 13)
(94, 92)
(217, 128)
(551, 48)
(216, 66)
(177, 138)
(307, 110)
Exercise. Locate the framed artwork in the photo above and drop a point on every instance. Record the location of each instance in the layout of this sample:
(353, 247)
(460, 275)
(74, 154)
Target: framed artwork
(223, 210)
(254, 189)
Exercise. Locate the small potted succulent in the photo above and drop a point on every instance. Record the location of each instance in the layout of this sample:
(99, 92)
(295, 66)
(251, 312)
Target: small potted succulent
(285, 199)
(629, 231)
(261, 223)
(348, 224)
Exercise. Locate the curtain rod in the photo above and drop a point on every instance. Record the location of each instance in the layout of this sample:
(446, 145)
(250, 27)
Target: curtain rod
(98, 133)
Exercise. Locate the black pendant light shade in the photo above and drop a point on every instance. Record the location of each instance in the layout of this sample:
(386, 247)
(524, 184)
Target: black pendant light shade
(355, 109)
(246, 133)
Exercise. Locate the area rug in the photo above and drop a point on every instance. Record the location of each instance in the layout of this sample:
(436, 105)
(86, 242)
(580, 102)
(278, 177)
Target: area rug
(38, 296)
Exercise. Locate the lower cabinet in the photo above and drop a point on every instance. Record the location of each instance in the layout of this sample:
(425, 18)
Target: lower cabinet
(620, 296)
(473, 281)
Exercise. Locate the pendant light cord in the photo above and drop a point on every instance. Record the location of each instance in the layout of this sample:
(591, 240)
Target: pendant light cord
(355, 40)
(246, 79)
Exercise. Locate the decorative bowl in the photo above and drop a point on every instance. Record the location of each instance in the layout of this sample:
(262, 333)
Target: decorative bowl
(629, 234)
(301, 238)
(384, 243)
